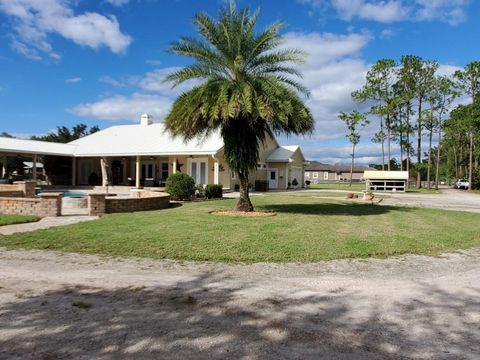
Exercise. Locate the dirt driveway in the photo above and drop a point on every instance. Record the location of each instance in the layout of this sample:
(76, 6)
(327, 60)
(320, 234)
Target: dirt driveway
(69, 306)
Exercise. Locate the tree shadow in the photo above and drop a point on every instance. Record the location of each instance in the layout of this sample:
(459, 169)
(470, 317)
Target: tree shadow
(344, 208)
(204, 320)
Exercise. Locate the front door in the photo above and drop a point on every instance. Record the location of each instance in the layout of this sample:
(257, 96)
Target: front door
(272, 178)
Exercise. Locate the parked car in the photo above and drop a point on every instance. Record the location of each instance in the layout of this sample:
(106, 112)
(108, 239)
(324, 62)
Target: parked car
(462, 184)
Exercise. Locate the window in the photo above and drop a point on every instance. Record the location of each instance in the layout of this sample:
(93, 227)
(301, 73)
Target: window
(325, 175)
(164, 171)
(261, 166)
(307, 174)
(315, 175)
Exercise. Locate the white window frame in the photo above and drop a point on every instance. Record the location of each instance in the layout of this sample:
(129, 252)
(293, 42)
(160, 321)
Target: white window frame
(315, 175)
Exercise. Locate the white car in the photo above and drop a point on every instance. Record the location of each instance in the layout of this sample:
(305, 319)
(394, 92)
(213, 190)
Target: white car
(462, 184)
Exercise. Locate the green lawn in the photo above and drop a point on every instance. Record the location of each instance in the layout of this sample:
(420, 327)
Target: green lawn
(305, 229)
(16, 219)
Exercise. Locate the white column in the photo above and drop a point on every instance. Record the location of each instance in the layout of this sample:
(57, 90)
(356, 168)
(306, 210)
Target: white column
(103, 167)
(4, 166)
(174, 165)
(137, 172)
(215, 171)
(34, 167)
(74, 171)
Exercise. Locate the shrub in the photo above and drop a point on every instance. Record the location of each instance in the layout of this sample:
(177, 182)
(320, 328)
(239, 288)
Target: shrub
(307, 182)
(180, 186)
(213, 191)
(294, 182)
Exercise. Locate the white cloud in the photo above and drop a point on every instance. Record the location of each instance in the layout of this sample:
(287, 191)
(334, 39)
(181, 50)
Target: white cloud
(34, 22)
(381, 11)
(119, 107)
(333, 70)
(450, 11)
(153, 62)
(73, 80)
(117, 2)
(389, 11)
(386, 33)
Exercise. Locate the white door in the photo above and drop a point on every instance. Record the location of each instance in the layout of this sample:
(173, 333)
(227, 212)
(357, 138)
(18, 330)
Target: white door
(198, 171)
(272, 178)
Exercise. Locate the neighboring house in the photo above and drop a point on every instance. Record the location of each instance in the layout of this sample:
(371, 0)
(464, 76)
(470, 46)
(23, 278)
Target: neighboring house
(144, 155)
(317, 172)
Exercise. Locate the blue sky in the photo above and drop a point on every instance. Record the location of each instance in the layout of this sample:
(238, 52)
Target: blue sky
(101, 62)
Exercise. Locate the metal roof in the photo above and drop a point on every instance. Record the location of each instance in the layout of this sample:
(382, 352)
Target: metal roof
(130, 140)
(385, 175)
(21, 146)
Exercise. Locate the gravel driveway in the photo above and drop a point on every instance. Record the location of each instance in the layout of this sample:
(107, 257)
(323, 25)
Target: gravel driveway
(448, 199)
(70, 306)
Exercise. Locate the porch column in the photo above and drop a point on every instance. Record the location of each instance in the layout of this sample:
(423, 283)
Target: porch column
(103, 166)
(137, 172)
(215, 171)
(4, 166)
(34, 167)
(174, 165)
(74, 171)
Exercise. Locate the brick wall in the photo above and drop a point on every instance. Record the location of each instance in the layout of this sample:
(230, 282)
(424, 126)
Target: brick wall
(47, 205)
(98, 204)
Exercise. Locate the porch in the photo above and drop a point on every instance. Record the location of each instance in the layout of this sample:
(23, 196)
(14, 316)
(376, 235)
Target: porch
(144, 171)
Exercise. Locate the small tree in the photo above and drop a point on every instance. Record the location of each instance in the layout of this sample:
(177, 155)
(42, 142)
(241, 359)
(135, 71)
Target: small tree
(353, 120)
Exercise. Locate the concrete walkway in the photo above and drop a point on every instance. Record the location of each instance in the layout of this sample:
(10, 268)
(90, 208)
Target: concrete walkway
(44, 223)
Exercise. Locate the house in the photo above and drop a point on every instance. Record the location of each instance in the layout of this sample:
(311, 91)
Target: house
(317, 172)
(144, 154)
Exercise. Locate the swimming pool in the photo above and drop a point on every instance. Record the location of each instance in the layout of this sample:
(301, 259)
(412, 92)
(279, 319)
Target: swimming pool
(74, 194)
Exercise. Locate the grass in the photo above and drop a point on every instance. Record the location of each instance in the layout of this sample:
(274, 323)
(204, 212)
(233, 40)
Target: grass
(16, 219)
(305, 229)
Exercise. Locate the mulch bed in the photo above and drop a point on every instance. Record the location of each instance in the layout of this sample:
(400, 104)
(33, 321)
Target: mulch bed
(243, 213)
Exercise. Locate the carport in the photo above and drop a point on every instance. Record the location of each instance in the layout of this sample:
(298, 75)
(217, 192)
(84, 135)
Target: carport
(377, 180)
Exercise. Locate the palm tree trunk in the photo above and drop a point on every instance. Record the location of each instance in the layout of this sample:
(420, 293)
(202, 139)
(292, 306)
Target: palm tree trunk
(351, 166)
(429, 158)
(437, 162)
(244, 203)
(470, 162)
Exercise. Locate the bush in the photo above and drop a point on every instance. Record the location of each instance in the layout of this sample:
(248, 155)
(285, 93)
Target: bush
(180, 186)
(294, 182)
(307, 182)
(213, 191)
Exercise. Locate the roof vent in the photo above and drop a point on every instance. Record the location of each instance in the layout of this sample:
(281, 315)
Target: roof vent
(146, 119)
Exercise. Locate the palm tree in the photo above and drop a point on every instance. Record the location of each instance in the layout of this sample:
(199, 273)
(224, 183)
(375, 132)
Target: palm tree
(248, 89)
